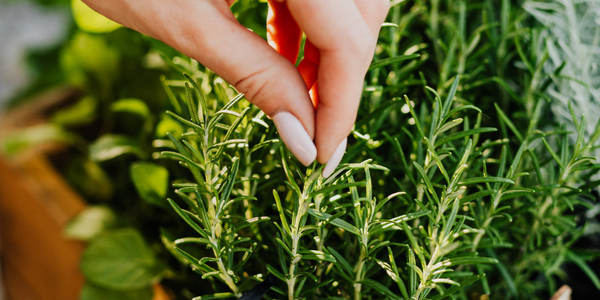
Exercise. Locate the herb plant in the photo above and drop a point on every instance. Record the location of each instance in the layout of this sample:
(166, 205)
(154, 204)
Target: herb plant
(462, 178)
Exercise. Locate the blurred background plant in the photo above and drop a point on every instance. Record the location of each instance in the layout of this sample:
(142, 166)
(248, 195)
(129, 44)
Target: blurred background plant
(497, 167)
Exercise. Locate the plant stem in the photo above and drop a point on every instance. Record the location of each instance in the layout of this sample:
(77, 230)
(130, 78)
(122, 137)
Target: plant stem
(292, 280)
(227, 278)
(295, 234)
(358, 270)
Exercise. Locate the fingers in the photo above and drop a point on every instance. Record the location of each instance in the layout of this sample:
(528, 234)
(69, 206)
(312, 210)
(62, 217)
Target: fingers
(269, 80)
(344, 32)
(207, 31)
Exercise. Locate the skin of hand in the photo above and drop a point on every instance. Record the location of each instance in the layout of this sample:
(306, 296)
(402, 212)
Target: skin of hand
(341, 38)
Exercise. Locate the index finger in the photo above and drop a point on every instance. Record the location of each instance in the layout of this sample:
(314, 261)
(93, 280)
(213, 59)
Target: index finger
(345, 33)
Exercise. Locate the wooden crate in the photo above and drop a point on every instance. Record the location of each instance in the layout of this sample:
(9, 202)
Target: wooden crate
(35, 203)
(37, 261)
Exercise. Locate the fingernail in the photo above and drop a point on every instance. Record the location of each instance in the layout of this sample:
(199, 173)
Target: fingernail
(335, 159)
(295, 137)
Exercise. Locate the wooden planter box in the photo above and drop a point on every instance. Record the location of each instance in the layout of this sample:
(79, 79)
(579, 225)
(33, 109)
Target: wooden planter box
(36, 260)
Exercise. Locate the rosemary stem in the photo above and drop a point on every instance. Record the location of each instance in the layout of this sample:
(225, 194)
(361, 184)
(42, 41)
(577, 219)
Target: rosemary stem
(359, 277)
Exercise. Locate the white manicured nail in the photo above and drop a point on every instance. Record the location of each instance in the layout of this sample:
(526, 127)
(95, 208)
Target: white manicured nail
(295, 137)
(335, 159)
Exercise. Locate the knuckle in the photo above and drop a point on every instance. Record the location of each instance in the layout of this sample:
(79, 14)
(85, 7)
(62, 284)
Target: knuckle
(360, 41)
(251, 85)
(256, 81)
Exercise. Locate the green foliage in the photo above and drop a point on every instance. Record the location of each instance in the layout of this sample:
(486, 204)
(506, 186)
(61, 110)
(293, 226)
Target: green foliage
(90, 21)
(94, 292)
(460, 178)
(151, 182)
(121, 260)
(90, 223)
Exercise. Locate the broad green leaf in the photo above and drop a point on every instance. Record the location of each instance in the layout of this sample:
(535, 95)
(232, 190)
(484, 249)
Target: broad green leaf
(151, 182)
(90, 222)
(120, 260)
(91, 291)
(20, 140)
(168, 125)
(131, 106)
(110, 146)
(83, 112)
(89, 60)
(89, 20)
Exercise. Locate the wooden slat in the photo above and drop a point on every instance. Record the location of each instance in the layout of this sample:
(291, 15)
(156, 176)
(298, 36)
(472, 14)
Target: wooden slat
(37, 261)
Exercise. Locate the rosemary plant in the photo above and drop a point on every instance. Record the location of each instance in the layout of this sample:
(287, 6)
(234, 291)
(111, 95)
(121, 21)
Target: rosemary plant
(209, 199)
(486, 192)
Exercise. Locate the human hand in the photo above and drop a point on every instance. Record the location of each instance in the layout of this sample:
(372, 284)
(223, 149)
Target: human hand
(341, 38)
